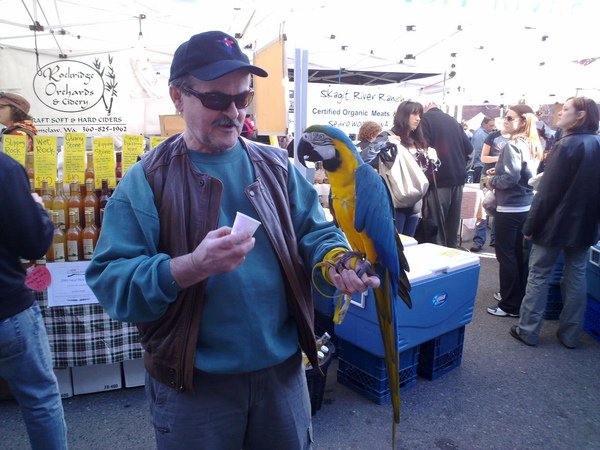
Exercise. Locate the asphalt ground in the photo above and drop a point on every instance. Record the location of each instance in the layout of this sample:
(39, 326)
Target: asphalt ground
(504, 395)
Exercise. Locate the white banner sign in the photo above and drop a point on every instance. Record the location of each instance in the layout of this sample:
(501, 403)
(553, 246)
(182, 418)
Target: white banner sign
(347, 106)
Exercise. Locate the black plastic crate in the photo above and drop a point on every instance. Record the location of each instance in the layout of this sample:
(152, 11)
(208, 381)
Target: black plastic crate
(442, 354)
(316, 382)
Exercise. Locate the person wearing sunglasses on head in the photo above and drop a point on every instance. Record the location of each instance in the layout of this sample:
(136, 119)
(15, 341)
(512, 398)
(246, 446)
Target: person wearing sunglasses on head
(222, 314)
(509, 178)
(564, 217)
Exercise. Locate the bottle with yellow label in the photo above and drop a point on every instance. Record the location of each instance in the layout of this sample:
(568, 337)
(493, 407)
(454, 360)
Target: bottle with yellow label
(58, 249)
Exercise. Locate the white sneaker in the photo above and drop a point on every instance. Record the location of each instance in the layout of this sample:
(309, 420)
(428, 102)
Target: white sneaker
(497, 311)
(497, 296)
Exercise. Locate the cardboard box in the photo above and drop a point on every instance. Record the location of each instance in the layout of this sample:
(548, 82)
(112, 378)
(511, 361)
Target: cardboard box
(65, 383)
(134, 373)
(171, 124)
(96, 378)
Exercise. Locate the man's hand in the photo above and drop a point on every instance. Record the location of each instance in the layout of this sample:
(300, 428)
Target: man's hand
(219, 252)
(348, 282)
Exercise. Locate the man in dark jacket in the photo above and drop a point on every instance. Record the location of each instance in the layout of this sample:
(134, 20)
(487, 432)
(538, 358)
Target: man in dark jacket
(564, 217)
(25, 358)
(454, 150)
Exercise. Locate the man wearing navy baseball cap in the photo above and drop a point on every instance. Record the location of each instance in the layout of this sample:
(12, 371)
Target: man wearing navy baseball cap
(223, 313)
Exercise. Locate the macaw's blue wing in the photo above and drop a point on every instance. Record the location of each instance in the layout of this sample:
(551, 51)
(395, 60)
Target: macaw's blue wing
(374, 214)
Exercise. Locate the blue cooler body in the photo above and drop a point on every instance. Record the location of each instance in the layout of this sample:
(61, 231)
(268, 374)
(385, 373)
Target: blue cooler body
(444, 286)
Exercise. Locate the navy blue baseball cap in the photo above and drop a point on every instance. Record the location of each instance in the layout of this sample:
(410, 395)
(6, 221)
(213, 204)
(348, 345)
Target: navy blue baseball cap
(210, 55)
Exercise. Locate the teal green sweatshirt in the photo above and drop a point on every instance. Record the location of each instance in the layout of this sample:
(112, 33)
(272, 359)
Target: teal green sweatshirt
(245, 324)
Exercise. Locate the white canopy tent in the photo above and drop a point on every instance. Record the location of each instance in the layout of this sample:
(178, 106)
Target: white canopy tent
(483, 51)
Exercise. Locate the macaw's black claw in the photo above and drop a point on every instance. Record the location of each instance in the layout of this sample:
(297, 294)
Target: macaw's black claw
(365, 267)
(341, 262)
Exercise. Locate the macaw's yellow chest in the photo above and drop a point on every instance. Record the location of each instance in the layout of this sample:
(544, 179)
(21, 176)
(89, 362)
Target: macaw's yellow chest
(344, 208)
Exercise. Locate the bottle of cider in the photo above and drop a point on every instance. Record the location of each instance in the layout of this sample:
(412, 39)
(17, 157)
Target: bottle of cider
(58, 249)
(104, 196)
(60, 204)
(74, 238)
(29, 167)
(90, 236)
(119, 167)
(89, 167)
(90, 201)
(75, 202)
(47, 196)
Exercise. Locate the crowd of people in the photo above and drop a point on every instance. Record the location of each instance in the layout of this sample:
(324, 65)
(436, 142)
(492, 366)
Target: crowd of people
(223, 316)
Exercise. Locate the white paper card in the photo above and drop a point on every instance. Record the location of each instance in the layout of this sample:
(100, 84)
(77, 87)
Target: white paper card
(68, 286)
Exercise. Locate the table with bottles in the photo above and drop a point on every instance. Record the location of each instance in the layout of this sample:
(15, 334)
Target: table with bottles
(82, 334)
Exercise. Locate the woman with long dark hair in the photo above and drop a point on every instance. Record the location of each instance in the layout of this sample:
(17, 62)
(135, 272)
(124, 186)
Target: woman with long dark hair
(564, 217)
(410, 136)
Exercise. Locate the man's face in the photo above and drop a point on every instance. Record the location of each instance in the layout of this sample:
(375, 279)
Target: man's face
(208, 130)
(489, 126)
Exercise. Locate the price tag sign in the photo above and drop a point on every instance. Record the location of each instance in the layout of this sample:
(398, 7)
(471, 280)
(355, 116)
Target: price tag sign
(133, 146)
(44, 160)
(74, 158)
(38, 278)
(104, 161)
(155, 140)
(15, 146)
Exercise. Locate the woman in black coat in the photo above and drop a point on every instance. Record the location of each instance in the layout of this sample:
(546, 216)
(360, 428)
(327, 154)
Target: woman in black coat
(564, 217)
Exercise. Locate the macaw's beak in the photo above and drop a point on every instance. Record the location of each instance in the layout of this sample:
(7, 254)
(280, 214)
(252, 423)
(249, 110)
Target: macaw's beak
(306, 152)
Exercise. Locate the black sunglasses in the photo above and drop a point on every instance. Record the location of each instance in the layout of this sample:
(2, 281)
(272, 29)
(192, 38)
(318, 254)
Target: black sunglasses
(510, 118)
(219, 101)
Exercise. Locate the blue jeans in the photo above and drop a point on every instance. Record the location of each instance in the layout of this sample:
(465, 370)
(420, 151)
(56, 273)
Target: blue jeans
(573, 287)
(406, 221)
(267, 408)
(26, 365)
(481, 232)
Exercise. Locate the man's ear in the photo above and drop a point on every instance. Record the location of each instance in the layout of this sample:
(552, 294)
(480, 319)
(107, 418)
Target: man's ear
(176, 97)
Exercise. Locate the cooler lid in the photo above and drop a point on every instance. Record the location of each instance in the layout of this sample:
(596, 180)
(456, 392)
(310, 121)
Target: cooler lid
(429, 260)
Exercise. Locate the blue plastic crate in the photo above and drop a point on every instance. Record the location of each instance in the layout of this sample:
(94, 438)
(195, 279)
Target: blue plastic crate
(373, 364)
(593, 274)
(442, 354)
(366, 374)
(591, 323)
(554, 304)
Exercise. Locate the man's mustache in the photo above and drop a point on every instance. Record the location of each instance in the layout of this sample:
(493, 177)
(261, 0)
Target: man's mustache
(227, 122)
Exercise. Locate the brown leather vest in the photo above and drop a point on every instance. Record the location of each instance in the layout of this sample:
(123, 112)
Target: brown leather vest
(188, 204)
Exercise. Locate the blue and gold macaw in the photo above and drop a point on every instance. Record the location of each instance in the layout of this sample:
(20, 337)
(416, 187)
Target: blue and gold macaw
(363, 209)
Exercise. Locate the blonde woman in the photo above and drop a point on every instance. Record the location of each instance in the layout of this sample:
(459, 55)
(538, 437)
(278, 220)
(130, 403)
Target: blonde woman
(517, 162)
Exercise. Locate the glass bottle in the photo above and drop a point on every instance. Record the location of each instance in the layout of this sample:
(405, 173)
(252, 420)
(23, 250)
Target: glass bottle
(90, 201)
(58, 249)
(47, 196)
(104, 196)
(60, 204)
(119, 167)
(75, 202)
(74, 238)
(90, 236)
(89, 167)
(29, 168)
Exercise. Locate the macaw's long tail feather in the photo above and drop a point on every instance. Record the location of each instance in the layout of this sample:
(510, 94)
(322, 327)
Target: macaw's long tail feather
(386, 314)
(404, 283)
